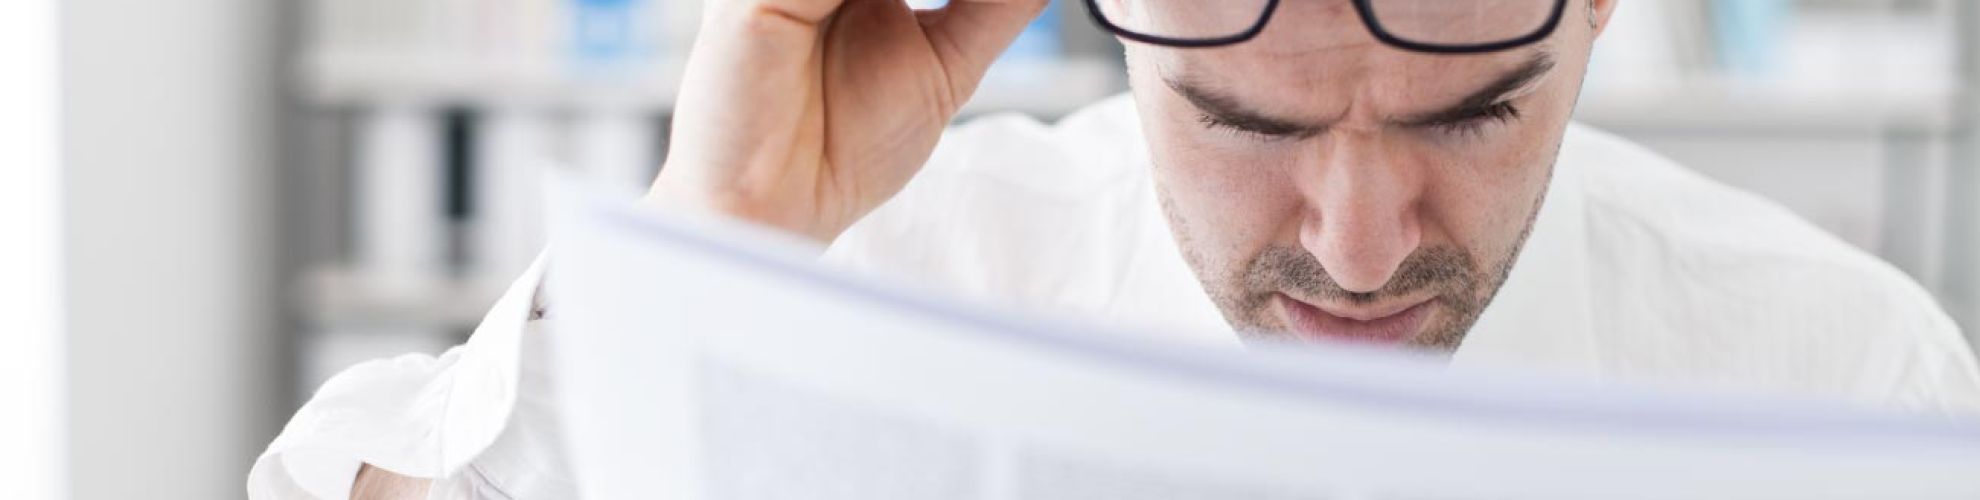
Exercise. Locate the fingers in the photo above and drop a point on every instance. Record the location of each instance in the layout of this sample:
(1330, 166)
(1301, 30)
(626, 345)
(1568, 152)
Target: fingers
(969, 34)
(810, 12)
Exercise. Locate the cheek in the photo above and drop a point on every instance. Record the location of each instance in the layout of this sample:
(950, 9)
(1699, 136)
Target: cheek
(1232, 201)
(1212, 169)
(1483, 198)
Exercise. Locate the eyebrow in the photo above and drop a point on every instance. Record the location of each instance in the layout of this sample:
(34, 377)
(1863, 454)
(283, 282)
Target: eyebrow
(1223, 108)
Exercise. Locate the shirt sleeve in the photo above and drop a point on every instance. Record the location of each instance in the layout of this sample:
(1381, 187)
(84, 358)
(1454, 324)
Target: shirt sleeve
(414, 415)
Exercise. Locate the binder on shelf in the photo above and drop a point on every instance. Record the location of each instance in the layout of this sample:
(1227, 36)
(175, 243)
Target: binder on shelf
(615, 145)
(514, 148)
(401, 224)
(612, 36)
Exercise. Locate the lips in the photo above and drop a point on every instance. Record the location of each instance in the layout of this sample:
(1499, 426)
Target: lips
(1378, 327)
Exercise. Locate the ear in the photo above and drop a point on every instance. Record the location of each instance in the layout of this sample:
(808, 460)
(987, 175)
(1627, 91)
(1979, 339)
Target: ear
(1598, 12)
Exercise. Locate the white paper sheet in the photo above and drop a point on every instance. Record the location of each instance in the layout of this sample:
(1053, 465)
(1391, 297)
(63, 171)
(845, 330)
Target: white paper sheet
(704, 359)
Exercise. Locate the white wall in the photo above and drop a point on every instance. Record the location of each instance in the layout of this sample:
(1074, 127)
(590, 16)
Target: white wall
(170, 140)
(31, 458)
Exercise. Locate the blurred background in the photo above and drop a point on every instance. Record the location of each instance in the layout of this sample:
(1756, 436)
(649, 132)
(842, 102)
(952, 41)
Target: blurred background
(232, 199)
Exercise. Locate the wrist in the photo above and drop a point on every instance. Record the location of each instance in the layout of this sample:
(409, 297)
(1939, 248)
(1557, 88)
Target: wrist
(684, 195)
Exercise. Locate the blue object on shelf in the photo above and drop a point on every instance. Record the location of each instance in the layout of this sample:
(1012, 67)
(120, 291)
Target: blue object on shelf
(1040, 39)
(1749, 34)
(607, 33)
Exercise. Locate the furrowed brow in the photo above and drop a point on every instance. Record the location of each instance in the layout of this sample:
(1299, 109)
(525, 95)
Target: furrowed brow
(1222, 108)
(1226, 109)
(1498, 91)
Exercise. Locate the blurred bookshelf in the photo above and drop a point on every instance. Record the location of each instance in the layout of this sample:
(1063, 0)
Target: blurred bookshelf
(1856, 114)
(1778, 65)
(424, 122)
(1046, 87)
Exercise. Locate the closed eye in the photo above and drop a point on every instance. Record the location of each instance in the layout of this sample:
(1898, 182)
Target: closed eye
(1473, 121)
(1215, 123)
(1257, 128)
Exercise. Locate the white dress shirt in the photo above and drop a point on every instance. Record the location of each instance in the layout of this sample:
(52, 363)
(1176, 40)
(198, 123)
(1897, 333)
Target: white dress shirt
(1636, 270)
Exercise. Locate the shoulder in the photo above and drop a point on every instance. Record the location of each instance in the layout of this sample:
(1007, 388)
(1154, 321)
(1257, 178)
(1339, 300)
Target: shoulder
(990, 165)
(1091, 148)
(1704, 237)
(1740, 285)
(1012, 208)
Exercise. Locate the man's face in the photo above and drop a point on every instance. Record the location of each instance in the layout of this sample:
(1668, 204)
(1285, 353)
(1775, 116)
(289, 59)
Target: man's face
(1324, 185)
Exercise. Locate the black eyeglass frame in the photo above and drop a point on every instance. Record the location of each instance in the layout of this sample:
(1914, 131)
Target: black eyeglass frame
(1361, 7)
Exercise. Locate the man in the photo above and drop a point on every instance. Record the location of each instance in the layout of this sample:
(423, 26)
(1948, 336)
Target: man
(1375, 171)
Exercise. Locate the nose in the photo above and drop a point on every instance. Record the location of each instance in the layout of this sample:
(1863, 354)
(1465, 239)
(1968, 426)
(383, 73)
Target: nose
(1362, 206)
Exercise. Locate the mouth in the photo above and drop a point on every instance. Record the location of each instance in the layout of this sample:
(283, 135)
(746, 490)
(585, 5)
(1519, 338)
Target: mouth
(1384, 325)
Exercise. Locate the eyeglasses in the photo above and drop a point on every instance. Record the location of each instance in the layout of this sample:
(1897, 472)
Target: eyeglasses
(1435, 26)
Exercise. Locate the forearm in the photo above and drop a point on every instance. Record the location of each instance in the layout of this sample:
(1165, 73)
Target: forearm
(380, 484)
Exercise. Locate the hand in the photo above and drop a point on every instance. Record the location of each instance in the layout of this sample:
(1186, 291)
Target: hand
(807, 114)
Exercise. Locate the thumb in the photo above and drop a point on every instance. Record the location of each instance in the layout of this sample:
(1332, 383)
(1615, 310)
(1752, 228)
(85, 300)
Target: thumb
(968, 35)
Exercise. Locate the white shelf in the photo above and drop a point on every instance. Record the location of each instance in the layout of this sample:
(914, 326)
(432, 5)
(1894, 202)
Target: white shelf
(342, 296)
(1055, 88)
(365, 78)
(1710, 105)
